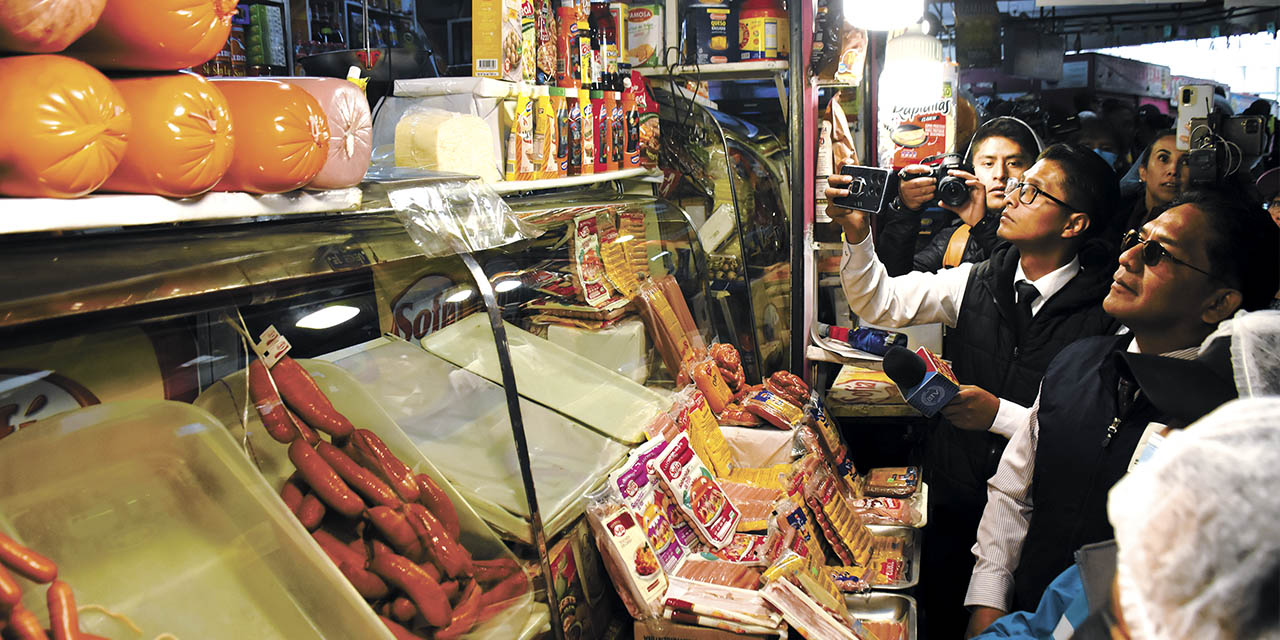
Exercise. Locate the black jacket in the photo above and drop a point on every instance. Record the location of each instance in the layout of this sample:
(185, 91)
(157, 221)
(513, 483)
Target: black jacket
(988, 350)
(896, 242)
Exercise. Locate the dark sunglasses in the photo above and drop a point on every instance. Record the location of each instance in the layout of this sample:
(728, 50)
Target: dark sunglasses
(1153, 252)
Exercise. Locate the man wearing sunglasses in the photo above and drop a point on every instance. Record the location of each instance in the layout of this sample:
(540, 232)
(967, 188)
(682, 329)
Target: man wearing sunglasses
(1008, 316)
(1094, 418)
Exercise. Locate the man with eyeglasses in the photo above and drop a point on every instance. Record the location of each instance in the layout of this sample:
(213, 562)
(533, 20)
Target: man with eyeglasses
(1008, 316)
(1188, 269)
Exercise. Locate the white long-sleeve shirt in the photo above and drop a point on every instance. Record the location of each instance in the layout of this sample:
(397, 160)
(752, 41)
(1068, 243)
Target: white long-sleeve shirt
(1007, 516)
(919, 298)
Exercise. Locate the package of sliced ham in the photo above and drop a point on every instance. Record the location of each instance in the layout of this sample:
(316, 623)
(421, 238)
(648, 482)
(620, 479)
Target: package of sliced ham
(637, 486)
(45, 26)
(695, 490)
(801, 612)
(630, 561)
(755, 504)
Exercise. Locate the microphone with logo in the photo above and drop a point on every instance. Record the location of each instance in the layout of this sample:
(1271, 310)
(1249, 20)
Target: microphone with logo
(923, 379)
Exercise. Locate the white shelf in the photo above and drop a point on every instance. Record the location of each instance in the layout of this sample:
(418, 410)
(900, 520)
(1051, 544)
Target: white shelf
(522, 186)
(26, 215)
(751, 69)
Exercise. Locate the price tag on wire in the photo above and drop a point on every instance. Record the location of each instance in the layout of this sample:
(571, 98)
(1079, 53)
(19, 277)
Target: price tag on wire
(271, 347)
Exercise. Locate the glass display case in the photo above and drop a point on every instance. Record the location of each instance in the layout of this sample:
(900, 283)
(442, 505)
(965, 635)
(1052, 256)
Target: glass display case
(421, 313)
(732, 179)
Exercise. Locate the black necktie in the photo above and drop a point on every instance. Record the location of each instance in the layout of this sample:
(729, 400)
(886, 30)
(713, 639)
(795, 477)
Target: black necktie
(1027, 294)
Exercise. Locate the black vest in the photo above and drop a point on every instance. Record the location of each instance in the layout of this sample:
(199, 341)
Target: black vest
(988, 351)
(1073, 471)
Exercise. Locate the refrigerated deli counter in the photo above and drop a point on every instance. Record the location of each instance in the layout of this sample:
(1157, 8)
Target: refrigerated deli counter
(134, 452)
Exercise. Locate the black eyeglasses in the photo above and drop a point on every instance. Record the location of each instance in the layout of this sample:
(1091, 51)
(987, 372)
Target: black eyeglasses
(1153, 252)
(1027, 193)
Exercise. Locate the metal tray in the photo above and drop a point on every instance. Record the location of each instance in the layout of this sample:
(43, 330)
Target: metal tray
(911, 551)
(884, 607)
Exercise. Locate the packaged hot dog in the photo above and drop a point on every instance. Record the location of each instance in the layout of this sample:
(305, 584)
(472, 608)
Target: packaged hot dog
(707, 377)
(775, 410)
(743, 548)
(697, 493)
(664, 327)
(675, 297)
(893, 511)
(693, 416)
(789, 387)
(617, 268)
(587, 262)
(630, 561)
(729, 361)
(636, 485)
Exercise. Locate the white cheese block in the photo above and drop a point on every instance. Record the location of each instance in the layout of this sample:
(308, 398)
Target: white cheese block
(445, 141)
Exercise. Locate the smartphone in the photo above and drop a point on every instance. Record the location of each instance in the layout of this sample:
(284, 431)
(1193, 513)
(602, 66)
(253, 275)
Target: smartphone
(869, 190)
(1194, 101)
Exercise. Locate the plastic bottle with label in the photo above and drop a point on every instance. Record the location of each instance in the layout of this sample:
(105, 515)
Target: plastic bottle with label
(604, 46)
(763, 28)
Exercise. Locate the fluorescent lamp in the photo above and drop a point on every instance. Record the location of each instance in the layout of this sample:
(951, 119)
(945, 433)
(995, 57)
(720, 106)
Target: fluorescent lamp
(460, 295)
(879, 15)
(510, 284)
(330, 316)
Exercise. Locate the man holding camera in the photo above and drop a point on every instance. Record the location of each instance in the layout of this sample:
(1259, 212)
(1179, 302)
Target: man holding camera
(1009, 316)
(1002, 148)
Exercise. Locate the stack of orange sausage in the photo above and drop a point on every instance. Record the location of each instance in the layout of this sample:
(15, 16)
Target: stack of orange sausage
(20, 623)
(393, 534)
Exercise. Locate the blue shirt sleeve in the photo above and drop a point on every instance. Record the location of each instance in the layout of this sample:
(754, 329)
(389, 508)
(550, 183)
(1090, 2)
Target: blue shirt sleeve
(1063, 592)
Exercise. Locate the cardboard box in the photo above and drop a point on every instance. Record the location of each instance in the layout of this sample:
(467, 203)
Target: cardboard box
(496, 40)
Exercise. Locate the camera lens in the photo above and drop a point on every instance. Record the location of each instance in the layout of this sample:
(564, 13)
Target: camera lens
(952, 191)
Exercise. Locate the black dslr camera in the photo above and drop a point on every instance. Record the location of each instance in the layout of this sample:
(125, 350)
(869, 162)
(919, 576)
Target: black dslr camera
(950, 189)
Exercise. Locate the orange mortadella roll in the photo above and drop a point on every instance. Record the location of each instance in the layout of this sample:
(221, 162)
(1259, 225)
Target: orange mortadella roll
(282, 136)
(66, 127)
(45, 26)
(156, 35)
(181, 143)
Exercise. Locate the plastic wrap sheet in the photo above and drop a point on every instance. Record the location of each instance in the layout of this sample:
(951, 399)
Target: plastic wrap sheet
(459, 421)
(622, 348)
(553, 377)
(451, 217)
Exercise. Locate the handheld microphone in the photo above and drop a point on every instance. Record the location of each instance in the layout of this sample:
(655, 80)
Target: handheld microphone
(923, 379)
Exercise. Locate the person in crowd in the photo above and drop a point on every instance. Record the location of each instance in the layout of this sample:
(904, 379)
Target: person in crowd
(1196, 552)
(1183, 273)
(1150, 123)
(1121, 117)
(1002, 148)
(1269, 187)
(1095, 133)
(1158, 176)
(1009, 316)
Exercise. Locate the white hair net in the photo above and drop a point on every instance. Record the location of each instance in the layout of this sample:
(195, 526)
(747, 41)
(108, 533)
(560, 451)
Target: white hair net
(1198, 530)
(1255, 351)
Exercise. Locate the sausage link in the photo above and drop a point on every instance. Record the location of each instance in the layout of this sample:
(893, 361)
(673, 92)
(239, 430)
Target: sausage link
(464, 615)
(324, 481)
(311, 512)
(269, 405)
(368, 584)
(64, 622)
(396, 529)
(303, 395)
(425, 593)
(431, 496)
(291, 493)
(402, 610)
(362, 480)
(510, 588)
(26, 562)
(399, 632)
(308, 433)
(368, 449)
(24, 625)
(450, 589)
(495, 570)
(10, 592)
(452, 558)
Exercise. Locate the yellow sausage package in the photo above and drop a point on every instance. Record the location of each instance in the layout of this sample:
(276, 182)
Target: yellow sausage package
(697, 493)
(693, 416)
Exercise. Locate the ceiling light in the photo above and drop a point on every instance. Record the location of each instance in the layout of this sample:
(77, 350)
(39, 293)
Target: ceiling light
(460, 295)
(327, 317)
(879, 15)
(504, 286)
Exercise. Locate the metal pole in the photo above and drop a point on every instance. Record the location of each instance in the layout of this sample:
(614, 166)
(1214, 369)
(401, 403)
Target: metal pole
(539, 535)
(801, 106)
